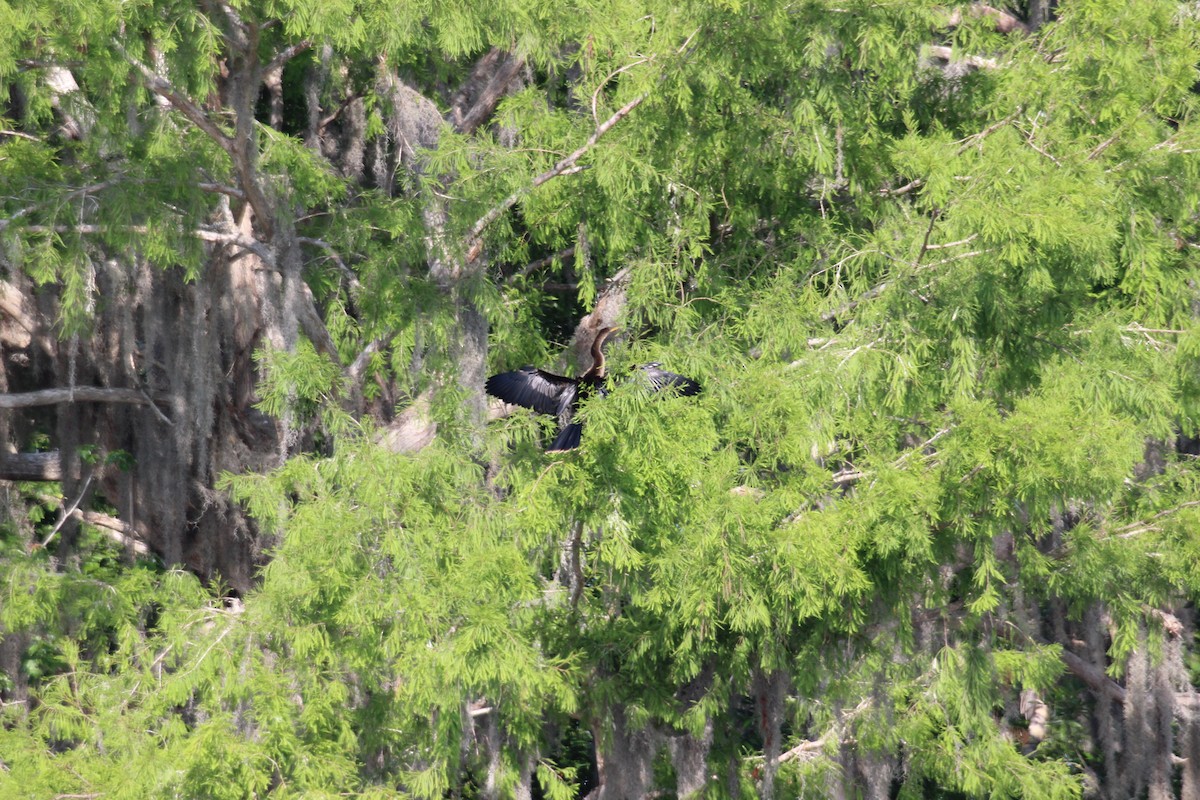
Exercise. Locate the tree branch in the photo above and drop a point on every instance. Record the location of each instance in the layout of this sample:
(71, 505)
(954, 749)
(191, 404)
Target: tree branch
(967, 240)
(68, 510)
(31, 466)
(323, 123)
(916, 183)
(238, 149)
(351, 278)
(558, 169)
(1094, 677)
(965, 144)
(80, 394)
(181, 102)
(287, 54)
(20, 135)
(466, 121)
(533, 266)
(1142, 526)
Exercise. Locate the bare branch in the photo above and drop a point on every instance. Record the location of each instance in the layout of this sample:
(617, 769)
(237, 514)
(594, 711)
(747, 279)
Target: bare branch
(916, 183)
(806, 748)
(110, 526)
(114, 529)
(355, 370)
(240, 150)
(1100, 148)
(31, 466)
(79, 394)
(220, 188)
(1142, 526)
(966, 144)
(240, 240)
(533, 266)
(323, 123)
(933, 218)
(67, 511)
(287, 54)
(607, 78)
(1094, 677)
(20, 135)
(466, 121)
(967, 240)
(351, 278)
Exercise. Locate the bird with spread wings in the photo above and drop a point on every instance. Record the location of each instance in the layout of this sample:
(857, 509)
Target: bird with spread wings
(559, 396)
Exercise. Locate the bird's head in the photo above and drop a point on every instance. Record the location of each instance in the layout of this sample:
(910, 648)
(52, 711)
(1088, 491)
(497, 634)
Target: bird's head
(605, 334)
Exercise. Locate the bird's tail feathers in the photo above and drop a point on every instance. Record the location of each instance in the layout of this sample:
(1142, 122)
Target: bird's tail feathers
(567, 439)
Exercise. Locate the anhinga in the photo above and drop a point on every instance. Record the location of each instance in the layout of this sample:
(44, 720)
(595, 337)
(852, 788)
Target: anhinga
(559, 396)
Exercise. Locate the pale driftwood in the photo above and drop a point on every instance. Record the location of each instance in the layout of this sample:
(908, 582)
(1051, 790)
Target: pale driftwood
(113, 528)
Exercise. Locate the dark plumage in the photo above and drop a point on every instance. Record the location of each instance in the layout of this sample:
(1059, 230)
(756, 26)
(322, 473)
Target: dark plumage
(559, 396)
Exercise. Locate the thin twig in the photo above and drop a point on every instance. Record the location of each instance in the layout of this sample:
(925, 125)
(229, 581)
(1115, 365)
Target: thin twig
(958, 257)
(965, 144)
(609, 77)
(967, 240)
(937, 212)
(915, 183)
(1142, 526)
(154, 407)
(558, 169)
(532, 266)
(220, 188)
(351, 278)
(68, 511)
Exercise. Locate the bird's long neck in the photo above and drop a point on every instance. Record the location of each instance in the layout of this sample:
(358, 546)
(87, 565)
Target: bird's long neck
(597, 368)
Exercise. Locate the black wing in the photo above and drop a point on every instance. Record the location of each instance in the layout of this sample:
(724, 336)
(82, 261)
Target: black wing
(544, 392)
(660, 379)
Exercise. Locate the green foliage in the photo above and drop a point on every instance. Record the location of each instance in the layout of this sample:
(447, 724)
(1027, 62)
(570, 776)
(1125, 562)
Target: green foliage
(932, 315)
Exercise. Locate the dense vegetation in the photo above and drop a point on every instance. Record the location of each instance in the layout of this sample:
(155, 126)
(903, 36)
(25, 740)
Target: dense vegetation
(932, 529)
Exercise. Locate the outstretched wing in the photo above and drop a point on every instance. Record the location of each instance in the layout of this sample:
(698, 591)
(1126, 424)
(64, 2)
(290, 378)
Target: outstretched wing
(660, 379)
(544, 392)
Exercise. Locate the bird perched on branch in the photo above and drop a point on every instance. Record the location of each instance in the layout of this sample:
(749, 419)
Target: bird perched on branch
(559, 396)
